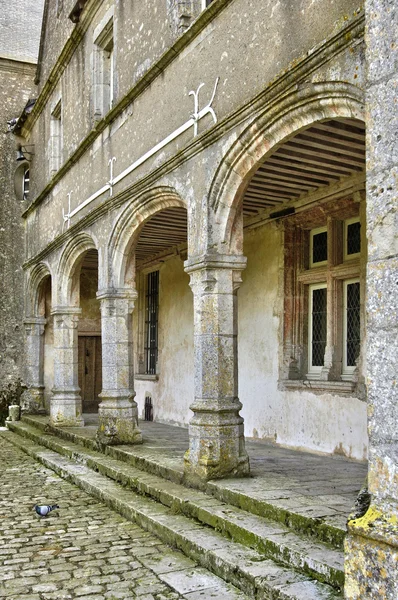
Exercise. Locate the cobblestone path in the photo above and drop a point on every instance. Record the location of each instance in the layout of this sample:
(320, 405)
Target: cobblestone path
(86, 551)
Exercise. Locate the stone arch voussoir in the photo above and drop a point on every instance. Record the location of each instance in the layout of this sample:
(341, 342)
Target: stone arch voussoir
(271, 128)
(71, 256)
(127, 228)
(35, 279)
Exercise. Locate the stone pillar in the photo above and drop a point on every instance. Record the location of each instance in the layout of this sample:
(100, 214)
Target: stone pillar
(372, 544)
(66, 403)
(216, 437)
(118, 414)
(33, 397)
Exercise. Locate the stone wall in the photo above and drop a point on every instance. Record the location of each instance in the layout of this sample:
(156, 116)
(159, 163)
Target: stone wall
(16, 87)
(372, 547)
(20, 24)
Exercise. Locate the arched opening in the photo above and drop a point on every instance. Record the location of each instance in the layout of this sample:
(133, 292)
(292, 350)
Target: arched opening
(89, 333)
(47, 366)
(163, 318)
(301, 315)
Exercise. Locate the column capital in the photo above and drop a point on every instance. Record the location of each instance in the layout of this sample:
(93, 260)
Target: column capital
(215, 261)
(66, 310)
(35, 321)
(34, 325)
(121, 300)
(117, 293)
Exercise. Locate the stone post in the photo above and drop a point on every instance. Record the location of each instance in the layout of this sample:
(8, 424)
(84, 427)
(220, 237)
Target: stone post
(66, 402)
(216, 437)
(118, 413)
(372, 544)
(33, 397)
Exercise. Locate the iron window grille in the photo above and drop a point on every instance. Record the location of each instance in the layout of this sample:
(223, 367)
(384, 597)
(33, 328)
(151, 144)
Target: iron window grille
(151, 322)
(25, 184)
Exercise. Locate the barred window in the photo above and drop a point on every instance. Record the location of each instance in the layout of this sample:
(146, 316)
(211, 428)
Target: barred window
(151, 322)
(25, 184)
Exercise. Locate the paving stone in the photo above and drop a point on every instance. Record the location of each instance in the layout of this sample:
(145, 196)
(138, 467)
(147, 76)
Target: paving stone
(50, 557)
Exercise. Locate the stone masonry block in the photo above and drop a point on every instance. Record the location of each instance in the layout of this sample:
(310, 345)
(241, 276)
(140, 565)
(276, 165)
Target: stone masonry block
(382, 125)
(382, 24)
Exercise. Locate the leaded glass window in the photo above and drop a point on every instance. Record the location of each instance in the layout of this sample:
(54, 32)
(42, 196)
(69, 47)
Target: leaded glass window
(352, 324)
(317, 326)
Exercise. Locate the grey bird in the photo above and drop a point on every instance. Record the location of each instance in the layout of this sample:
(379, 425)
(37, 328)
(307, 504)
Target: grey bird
(44, 510)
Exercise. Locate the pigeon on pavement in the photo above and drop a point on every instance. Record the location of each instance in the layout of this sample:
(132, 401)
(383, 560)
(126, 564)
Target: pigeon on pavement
(45, 509)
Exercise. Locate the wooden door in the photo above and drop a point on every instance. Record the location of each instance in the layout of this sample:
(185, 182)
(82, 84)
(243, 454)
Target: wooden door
(90, 371)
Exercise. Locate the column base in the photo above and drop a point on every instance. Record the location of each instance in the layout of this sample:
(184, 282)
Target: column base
(216, 446)
(371, 555)
(66, 408)
(32, 401)
(118, 421)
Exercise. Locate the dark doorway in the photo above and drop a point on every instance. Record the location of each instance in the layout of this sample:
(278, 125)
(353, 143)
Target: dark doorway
(90, 371)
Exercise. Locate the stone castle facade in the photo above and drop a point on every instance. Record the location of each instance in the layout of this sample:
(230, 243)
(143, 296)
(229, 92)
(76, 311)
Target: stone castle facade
(203, 245)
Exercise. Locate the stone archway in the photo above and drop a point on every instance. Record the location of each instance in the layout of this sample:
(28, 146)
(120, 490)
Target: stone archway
(270, 129)
(118, 410)
(66, 402)
(38, 336)
(127, 229)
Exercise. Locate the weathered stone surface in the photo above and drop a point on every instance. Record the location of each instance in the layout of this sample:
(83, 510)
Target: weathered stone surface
(118, 414)
(371, 547)
(87, 551)
(217, 447)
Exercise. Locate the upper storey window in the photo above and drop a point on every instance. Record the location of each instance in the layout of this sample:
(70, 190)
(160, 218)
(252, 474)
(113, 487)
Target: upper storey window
(205, 3)
(104, 67)
(55, 154)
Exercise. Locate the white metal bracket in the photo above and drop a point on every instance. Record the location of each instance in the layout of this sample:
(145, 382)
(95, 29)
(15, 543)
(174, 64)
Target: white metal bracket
(192, 122)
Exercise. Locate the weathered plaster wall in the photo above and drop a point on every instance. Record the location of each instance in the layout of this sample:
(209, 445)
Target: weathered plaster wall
(173, 392)
(16, 86)
(322, 422)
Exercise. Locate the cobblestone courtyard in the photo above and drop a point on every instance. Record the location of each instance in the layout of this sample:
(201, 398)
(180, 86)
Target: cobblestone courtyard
(84, 550)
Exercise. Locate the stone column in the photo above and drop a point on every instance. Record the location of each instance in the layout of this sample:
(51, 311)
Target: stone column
(118, 414)
(216, 437)
(372, 543)
(33, 397)
(66, 402)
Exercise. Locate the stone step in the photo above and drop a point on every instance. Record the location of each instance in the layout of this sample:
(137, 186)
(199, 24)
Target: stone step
(269, 538)
(258, 577)
(301, 520)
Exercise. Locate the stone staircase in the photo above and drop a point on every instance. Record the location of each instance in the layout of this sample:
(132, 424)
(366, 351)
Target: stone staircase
(267, 552)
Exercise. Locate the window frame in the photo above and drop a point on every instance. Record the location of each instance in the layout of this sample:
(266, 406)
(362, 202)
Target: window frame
(25, 178)
(56, 137)
(103, 67)
(301, 276)
(314, 232)
(151, 350)
(348, 222)
(348, 370)
(314, 371)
